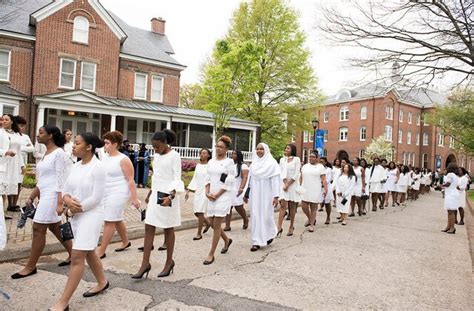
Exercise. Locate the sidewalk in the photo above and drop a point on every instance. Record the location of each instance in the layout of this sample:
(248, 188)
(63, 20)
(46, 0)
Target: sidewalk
(19, 240)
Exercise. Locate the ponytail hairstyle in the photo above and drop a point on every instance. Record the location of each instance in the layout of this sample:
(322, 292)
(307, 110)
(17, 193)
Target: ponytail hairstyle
(166, 136)
(226, 140)
(93, 140)
(15, 126)
(240, 161)
(58, 138)
(208, 152)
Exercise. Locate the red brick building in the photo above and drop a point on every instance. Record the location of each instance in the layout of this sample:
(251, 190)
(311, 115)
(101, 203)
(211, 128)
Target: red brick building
(76, 65)
(354, 116)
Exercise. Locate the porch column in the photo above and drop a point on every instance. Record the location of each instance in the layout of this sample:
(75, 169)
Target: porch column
(39, 118)
(113, 122)
(188, 128)
(213, 138)
(254, 140)
(168, 124)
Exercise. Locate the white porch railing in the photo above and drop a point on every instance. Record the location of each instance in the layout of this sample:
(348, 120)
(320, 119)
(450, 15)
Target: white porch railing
(192, 153)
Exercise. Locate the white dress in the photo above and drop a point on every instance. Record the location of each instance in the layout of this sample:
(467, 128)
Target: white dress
(358, 184)
(402, 184)
(262, 192)
(376, 176)
(26, 147)
(451, 193)
(417, 180)
(10, 167)
(335, 173)
(51, 172)
(462, 184)
(215, 169)
(238, 200)
(290, 170)
(117, 192)
(344, 185)
(166, 178)
(392, 180)
(71, 158)
(86, 183)
(198, 185)
(329, 181)
(312, 185)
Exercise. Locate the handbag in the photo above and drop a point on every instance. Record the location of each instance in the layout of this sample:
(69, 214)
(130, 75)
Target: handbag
(66, 230)
(344, 201)
(223, 177)
(247, 193)
(142, 214)
(159, 198)
(26, 212)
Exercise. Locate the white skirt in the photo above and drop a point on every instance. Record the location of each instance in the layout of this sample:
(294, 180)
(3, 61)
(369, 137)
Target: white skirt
(291, 194)
(376, 187)
(163, 216)
(357, 190)
(200, 203)
(342, 208)
(114, 207)
(218, 208)
(401, 188)
(86, 228)
(7, 187)
(451, 200)
(238, 200)
(46, 209)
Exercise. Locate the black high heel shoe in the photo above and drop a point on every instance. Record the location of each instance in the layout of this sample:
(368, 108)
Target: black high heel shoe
(167, 273)
(279, 233)
(208, 262)
(291, 233)
(445, 230)
(121, 249)
(139, 276)
(451, 231)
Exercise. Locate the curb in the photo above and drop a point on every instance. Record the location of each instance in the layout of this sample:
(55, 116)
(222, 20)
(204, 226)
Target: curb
(134, 233)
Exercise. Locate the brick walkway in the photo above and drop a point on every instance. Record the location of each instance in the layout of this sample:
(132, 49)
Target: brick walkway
(22, 237)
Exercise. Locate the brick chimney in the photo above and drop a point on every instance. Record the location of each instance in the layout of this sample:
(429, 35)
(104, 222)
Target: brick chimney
(158, 25)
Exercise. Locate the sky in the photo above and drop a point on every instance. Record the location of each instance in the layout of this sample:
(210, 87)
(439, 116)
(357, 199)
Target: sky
(193, 26)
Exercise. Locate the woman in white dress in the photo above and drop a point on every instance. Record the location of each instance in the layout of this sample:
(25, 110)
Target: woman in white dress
(336, 172)
(326, 199)
(26, 147)
(51, 180)
(314, 188)
(119, 190)
(219, 191)
(377, 178)
(359, 187)
(416, 183)
(68, 149)
(290, 167)
(462, 186)
(11, 162)
(344, 190)
(402, 185)
(262, 196)
(451, 196)
(198, 186)
(392, 178)
(163, 210)
(241, 177)
(83, 195)
(365, 194)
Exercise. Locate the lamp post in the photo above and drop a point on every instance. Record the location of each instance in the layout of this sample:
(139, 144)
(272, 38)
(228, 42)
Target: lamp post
(315, 123)
(393, 153)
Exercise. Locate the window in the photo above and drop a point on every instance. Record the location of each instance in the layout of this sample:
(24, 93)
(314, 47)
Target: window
(132, 130)
(440, 140)
(363, 113)
(363, 133)
(404, 155)
(67, 77)
(410, 118)
(425, 120)
(408, 138)
(417, 139)
(88, 74)
(413, 159)
(400, 116)
(80, 31)
(4, 65)
(157, 89)
(418, 119)
(311, 136)
(305, 136)
(343, 133)
(326, 117)
(344, 114)
(400, 136)
(425, 160)
(326, 134)
(451, 142)
(140, 85)
(389, 112)
(7, 109)
(149, 128)
(388, 133)
(361, 153)
(425, 139)
(325, 153)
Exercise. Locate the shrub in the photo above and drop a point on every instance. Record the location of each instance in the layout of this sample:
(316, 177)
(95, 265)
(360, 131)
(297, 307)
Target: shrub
(187, 166)
(29, 181)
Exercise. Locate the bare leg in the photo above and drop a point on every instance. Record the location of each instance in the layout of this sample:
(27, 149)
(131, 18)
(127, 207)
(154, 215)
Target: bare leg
(200, 217)
(97, 269)
(386, 197)
(75, 274)
(54, 228)
(16, 197)
(352, 205)
(328, 213)
(170, 239)
(122, 231)
(461, 214)
(228, 218)
(109, 230)
(281, 214)
(37, 247)
(147, 245)
(241, 210)
(312, 217)
(292, 209)
(216, 223)
(305, 208)
(375, 197)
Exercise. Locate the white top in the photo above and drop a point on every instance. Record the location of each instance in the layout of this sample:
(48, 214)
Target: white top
(345, 186)
(215, 169)
(10, 166)
(312, 184)
(68, 150)
(238, 200)
(115, 181)
(462, 184)
(26, 147)
(40, 150)
(451, 193)
(198, 185)
(290, 170)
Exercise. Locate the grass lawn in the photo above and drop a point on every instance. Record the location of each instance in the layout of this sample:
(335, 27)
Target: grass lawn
(470, 195)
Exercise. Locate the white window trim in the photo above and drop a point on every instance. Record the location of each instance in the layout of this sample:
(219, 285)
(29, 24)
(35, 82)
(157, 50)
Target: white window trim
(440, 144)
(400, 116)
(389, 113)
(427, 140)
(95, 75)
(347, 133)
(345, 109)
(305, 136)
(360, 133)
(162, 87)
(385, 133)
(135, 83)
(400, 136)
(408, 138)
(8, 65)
(324, 117)
(410, 117)
(74, 29)
(363, 116)
(61, 71)
(417, 139)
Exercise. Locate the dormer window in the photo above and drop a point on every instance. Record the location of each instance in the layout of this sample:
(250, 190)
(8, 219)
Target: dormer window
(81, 30)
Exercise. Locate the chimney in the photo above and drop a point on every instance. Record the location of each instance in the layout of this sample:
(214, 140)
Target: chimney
(158, 25)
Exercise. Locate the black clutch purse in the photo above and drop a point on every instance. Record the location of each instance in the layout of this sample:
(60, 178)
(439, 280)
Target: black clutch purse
(247, 193)
(26, 212)
(142, 214)
(159, 197)
(344, 201)
(364, 197)
(223, 177)
(66, 230)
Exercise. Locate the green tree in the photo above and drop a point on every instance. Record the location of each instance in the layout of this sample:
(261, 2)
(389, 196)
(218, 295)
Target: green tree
(379, 147)
(190, 96)
(263, 72)
(456, 119)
